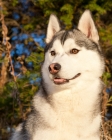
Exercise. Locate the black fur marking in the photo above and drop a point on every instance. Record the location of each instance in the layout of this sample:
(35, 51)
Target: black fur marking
(61, 35)
(79, 38)
(64, 37)
(24, 135)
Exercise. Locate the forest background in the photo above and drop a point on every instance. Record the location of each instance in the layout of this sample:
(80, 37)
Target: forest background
(23, 26)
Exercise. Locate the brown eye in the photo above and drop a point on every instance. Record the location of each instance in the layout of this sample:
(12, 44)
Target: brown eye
(53, 53)
(74, 51)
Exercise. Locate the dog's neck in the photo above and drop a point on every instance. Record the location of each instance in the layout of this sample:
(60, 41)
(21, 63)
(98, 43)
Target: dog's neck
(72, 105)
(83, 94)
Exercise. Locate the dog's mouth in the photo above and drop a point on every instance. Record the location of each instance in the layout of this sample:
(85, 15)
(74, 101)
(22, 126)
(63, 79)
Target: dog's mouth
(58, 80)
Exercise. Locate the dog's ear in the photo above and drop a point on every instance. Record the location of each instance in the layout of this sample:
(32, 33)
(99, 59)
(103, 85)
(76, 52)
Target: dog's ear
(87, 26)
(53, 27)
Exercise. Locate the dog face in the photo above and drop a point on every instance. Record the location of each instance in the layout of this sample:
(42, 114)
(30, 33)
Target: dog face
(72, 56)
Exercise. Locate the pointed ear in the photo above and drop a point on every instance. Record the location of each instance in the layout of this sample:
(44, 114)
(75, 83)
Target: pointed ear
(53, 27)
(87, 26)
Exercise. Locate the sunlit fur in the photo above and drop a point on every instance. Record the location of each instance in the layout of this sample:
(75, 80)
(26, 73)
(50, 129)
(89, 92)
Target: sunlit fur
(88, 62)
(69, 111)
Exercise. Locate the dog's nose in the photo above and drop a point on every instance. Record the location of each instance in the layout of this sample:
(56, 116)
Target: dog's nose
(54, 68)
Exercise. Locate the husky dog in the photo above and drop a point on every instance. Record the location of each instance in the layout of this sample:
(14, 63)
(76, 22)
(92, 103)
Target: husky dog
(67, 106)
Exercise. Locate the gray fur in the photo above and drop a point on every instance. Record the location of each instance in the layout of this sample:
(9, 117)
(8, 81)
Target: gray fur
(45, 106)
(78, 36)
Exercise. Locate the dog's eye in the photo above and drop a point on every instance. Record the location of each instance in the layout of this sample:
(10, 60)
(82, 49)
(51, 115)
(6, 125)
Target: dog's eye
(53, 53)
(74, 51)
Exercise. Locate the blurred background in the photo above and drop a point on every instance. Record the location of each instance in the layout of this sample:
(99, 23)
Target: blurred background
(23, 26)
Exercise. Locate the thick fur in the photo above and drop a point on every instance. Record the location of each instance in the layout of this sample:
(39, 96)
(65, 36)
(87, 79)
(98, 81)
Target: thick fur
(69, 111)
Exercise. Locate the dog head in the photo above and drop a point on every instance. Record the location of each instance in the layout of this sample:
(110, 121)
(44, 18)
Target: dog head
(72, 56)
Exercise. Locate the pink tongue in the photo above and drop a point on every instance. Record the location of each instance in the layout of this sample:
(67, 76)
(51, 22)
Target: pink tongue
(59, 81)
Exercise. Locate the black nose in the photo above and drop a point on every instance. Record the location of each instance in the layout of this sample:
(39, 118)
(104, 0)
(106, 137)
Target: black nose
(54, 68)
(57, 66)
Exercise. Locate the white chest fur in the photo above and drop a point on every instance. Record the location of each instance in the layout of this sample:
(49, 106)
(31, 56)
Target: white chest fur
(72, 115)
